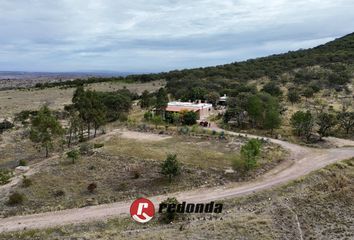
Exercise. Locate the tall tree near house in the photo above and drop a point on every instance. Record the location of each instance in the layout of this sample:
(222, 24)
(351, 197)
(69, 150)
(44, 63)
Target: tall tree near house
(145, 99)
(326, 122)
(346, 121)
(161, 101)
(44, 129)
(212, 97)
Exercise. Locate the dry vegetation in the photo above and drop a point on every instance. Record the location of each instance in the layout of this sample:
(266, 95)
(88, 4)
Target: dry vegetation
(14, 101)
(318, 206)
(119, 170)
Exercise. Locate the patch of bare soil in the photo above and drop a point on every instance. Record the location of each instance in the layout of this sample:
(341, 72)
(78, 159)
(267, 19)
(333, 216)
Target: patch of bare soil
(142, 136)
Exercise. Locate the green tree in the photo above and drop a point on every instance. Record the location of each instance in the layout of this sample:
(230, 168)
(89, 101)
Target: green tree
(161, 100)
(157, 120)
(212, 97)
(73, 155)
(44, 129)
(303, 123)
(189, 118)
(145, 99)
(272, 119)
(346, 121)
(249, 153)
(273, 89)
(326, 122)
(170, 167)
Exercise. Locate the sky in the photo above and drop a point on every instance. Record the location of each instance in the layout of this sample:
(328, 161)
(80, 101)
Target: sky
(157, 35)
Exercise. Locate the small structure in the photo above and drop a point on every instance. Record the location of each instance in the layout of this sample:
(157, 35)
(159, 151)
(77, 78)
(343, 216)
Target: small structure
(222, 100)
(203, 110)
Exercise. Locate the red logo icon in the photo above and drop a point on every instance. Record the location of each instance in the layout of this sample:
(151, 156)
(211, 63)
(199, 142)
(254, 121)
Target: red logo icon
(142, 210)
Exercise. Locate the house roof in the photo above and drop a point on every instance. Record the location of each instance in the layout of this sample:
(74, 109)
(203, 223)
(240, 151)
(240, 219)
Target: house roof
(181, 108)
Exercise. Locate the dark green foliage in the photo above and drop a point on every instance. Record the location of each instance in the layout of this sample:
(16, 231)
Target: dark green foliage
(146, 100)
(73, 155)
(308, 92)
(254, 110)
(5, 176)
(167, 217)
(189, 118)
(98, 145)
(249, 153)
(346, 121)
(293, 96)
(325, 121)
(5, 125)
(273, 89)
(44, 129)
(302, 123)
(92, 187)
(161, 99)
(22, 163)
(170, 167)
(212, 97)
(247, 160)
(16, 198)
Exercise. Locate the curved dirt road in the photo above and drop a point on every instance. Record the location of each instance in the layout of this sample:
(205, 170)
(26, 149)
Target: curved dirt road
(301, 161)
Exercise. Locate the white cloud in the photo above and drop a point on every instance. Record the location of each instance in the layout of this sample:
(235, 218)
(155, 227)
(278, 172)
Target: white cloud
(66, 35)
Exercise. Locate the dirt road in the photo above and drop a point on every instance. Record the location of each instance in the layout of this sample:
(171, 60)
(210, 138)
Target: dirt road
(301, 161)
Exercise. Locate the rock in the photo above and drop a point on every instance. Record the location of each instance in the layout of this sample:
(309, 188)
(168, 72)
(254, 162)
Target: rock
(91, 201)
(22, 169)
(229, 171)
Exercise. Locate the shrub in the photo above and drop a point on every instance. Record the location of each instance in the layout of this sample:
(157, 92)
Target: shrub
(168, 217)
(5, 176)
(26, 182)
(22, 163)
(73, 155)
(86, 148)
(59, 193)
(98, 145)
(16, 198)
(91, 187)
(170, 166)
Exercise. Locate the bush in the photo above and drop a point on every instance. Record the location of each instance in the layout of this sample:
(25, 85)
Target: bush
(248, 158)
(170, 166)
(59, 193)
(26, 182)
(5, 125)
(98, 145)
(16, 198)
(168, 217)
(22, 163)
(91, 187)
(86, 148)
(73, 155)
(5, 176)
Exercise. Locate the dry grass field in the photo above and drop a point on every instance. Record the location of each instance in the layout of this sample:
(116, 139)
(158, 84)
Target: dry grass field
(319, 206)
(119, 169)
(14, 101)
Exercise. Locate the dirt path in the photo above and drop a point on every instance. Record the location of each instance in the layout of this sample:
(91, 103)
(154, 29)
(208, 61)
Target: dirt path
(302, 161)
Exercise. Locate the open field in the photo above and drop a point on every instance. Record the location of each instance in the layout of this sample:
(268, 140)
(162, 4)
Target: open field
(128, 166)
(14, 101)
(318, 206)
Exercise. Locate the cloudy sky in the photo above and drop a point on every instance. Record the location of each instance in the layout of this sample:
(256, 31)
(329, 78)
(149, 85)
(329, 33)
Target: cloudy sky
(157, 35)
